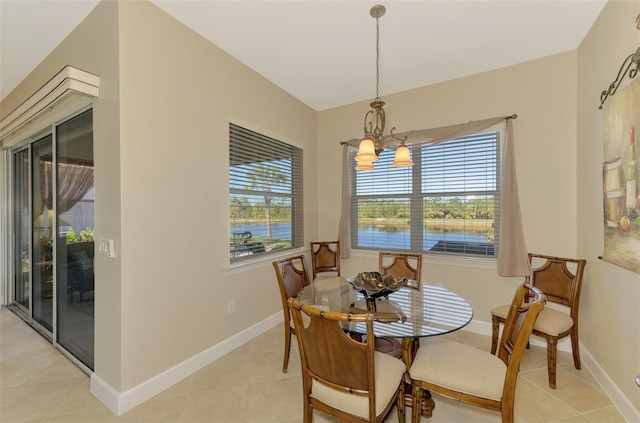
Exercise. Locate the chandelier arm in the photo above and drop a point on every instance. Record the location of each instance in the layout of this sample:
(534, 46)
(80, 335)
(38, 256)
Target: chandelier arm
(396, 137)
(368, 131)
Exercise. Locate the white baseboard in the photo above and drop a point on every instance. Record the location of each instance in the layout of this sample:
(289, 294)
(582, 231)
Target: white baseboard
(120, 403)
(617, 397)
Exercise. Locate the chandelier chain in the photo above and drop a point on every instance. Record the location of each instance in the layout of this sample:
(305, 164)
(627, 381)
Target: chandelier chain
(377, 59)
(374, 141)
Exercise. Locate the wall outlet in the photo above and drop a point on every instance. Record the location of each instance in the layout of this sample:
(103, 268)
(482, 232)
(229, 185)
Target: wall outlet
(231, 306)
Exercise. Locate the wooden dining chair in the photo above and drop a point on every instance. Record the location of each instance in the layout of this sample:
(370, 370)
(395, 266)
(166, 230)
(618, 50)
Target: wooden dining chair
(291, 273)
(402, 265)
(325, 257)
(474, 376)
(342, 377)
(561, 285)
(399, 265)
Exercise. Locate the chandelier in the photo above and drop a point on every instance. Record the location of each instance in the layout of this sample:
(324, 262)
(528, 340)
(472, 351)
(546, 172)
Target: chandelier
(374, 141)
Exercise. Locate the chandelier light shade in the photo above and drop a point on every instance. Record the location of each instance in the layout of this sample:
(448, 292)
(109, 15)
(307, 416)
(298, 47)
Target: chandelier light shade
(403, 157)
(364, 166)
(374, 141)
(366, 151)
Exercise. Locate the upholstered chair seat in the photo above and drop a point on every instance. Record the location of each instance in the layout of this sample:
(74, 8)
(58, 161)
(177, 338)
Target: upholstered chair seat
(549, 321)
(472, 375)
(389, 371)
(459, 367)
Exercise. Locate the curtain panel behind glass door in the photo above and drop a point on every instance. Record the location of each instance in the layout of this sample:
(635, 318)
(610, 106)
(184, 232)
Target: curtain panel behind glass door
(22, 236)
(42, 232)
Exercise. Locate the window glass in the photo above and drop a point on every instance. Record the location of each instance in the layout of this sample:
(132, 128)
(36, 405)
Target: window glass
(265, 194)
(447, 203)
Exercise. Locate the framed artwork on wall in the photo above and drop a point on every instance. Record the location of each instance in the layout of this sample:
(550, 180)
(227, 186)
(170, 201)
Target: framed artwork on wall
(621, 178)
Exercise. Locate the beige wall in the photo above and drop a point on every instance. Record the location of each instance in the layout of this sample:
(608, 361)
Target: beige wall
(178, 94)
(93, 47)
(610, 315)
(161, 155)
(542, 93)
(559, 160)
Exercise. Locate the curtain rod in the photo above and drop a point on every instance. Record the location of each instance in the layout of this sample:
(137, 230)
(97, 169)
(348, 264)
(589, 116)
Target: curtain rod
(632, 60)
(513, 116)
(631, 65)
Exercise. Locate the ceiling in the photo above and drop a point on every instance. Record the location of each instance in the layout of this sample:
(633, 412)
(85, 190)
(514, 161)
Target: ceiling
(323, 52)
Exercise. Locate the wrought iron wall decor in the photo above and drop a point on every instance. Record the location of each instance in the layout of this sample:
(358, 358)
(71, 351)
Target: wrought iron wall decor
(630, 66)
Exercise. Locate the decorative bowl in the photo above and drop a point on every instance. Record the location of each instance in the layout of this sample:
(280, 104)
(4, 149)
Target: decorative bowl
(375, 284)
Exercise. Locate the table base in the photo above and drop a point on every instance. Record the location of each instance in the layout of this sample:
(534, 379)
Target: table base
(388, 346)
(427, 404)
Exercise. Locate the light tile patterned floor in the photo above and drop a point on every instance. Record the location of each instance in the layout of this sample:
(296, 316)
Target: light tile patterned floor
(38, 384)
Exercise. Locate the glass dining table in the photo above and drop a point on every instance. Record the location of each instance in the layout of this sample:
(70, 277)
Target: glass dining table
(417, 310)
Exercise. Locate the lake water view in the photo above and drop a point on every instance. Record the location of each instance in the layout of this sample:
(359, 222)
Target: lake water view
(368, 235)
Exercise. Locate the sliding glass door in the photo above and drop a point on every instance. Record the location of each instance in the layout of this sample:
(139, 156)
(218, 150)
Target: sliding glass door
(75, 247)
(52, 199)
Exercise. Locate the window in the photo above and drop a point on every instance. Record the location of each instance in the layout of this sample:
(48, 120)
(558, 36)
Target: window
(447, 203)
(265, 194)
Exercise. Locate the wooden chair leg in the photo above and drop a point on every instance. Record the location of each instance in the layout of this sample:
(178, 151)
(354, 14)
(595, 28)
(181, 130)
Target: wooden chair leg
(552, 347)
(308, 412)
(575, 349)
(507, 414)
(495, 328)
(507, 407)
(287, 348)
(400, 404)
(416, 395)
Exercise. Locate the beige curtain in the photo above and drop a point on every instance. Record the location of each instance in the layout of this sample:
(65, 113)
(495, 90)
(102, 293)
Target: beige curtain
(512, 251)
(344, 229)
(74, 181)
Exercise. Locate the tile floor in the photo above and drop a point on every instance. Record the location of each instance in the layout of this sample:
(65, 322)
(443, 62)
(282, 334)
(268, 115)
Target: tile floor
(38, 384)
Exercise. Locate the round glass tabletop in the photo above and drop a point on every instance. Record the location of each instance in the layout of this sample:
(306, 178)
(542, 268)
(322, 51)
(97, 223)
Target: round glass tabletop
(425, 310)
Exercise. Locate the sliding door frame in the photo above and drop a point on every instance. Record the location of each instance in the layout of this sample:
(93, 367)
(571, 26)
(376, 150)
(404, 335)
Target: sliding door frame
(8, 252)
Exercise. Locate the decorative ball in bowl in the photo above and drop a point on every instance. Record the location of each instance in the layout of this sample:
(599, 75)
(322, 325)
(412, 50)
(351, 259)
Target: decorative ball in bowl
(375, 284)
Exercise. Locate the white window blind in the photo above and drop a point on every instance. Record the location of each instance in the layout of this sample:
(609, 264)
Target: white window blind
(447, 203)
(265, 194)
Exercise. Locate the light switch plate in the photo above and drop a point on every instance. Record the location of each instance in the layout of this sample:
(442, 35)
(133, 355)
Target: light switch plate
(111, 248)
(107, 247)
